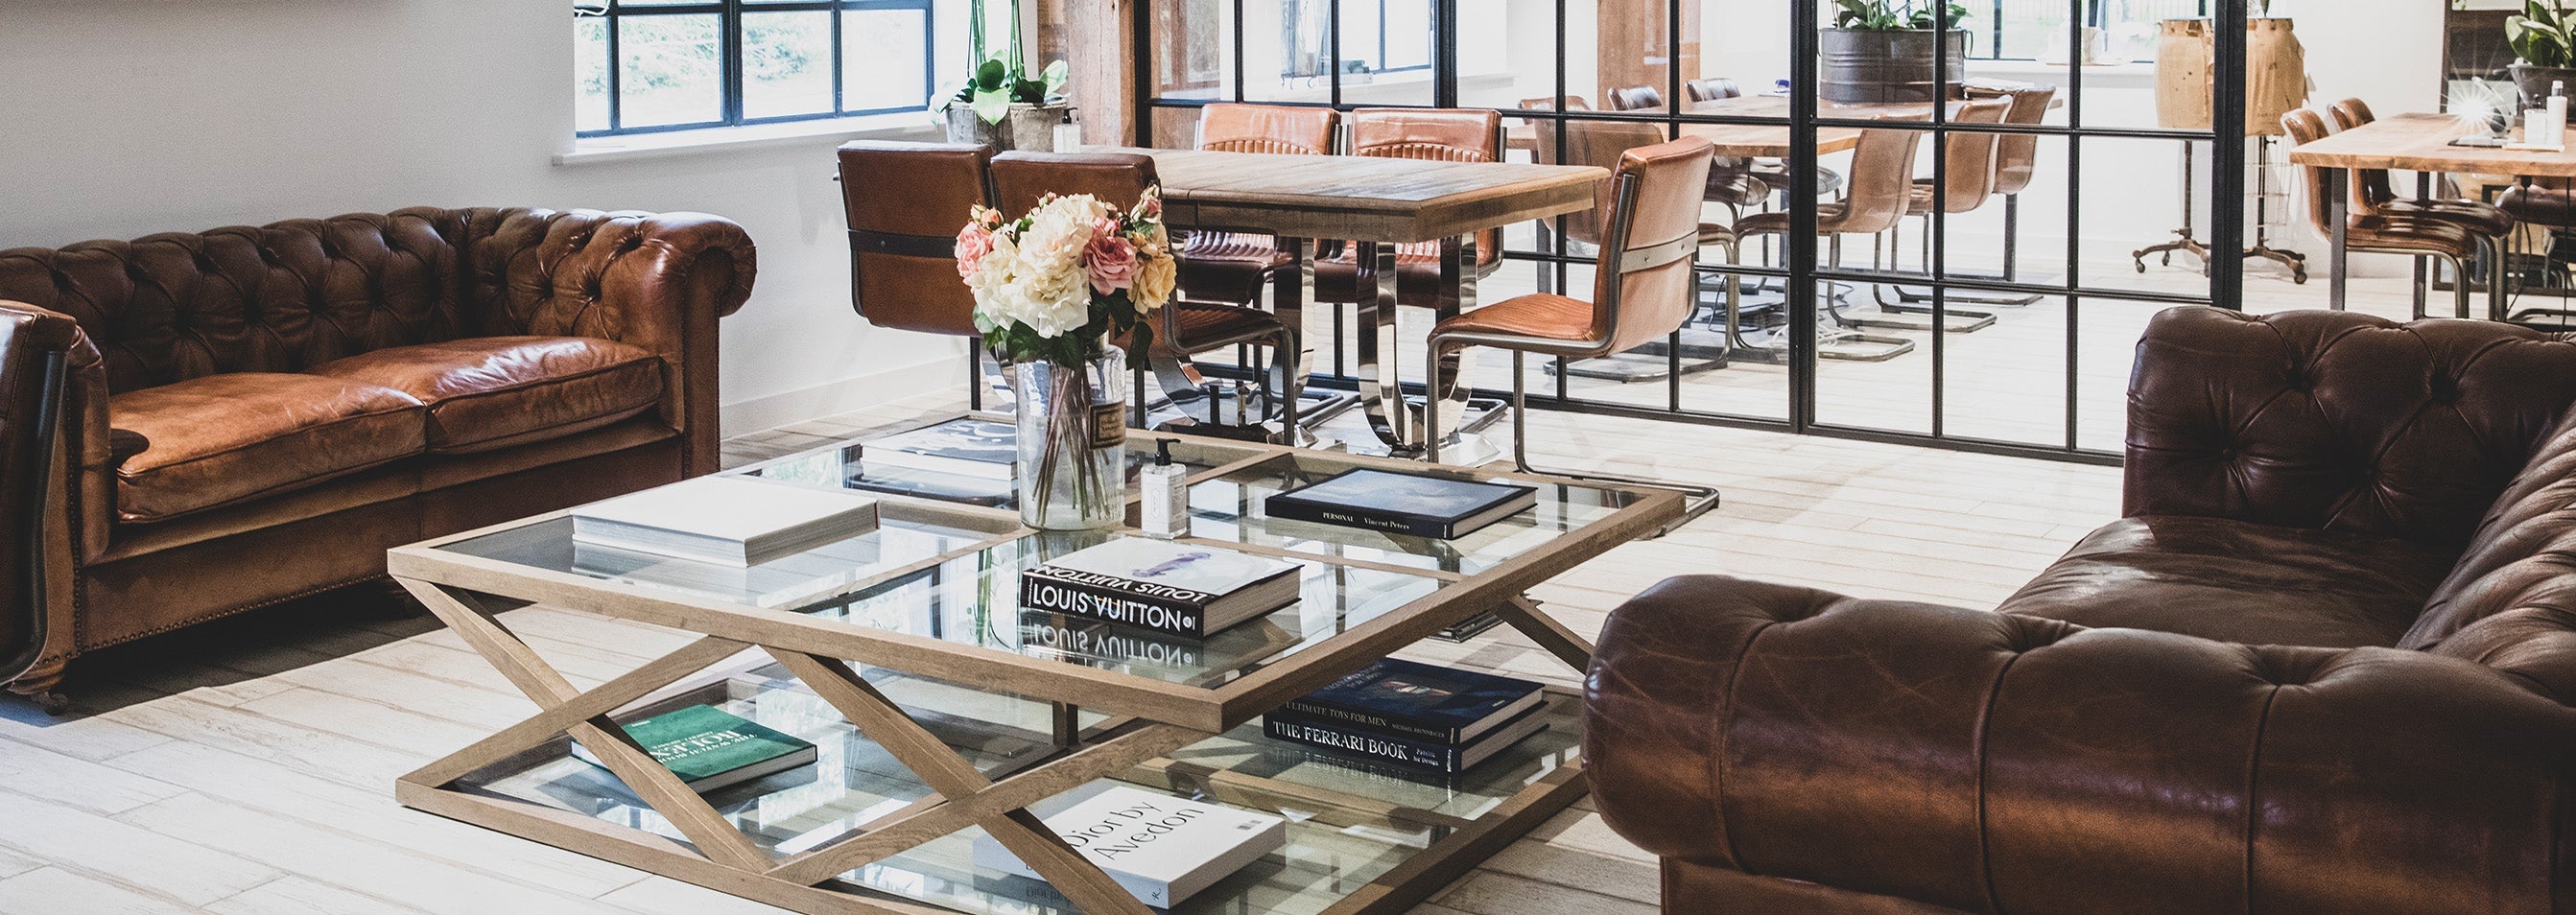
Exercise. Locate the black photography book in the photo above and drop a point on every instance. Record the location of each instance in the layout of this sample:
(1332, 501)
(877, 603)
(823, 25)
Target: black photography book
(1182, 589)
(1415, 701)
(1403, 503)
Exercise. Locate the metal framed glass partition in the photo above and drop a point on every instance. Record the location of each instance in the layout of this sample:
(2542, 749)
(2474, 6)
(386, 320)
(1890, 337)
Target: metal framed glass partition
(1993, 312)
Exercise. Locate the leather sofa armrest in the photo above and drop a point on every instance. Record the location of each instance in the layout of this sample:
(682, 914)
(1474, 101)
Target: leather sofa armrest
(1992, 762)
(658, 281)
(88, 503)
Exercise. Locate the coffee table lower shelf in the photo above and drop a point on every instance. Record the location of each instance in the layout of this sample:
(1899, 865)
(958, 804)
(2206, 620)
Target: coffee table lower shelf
(1362, 839)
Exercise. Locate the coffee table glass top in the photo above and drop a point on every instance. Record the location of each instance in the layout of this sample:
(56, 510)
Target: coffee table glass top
(845, 466)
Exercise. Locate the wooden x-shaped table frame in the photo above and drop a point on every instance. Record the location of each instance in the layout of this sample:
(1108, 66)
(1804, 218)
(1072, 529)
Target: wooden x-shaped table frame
(723, 856)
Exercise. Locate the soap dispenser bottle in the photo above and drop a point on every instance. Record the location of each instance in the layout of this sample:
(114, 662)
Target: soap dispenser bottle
(1165, 504)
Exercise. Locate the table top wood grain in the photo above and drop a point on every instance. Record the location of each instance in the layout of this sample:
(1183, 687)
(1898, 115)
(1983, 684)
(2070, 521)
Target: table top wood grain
(1363, 198)
(2422, 143)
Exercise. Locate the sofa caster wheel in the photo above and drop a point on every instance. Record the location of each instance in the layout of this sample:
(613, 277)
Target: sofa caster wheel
(52, 703)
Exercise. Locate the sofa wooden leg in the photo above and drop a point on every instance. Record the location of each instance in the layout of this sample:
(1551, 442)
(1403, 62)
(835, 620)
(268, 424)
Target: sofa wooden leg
(398, 603)
(38, 685)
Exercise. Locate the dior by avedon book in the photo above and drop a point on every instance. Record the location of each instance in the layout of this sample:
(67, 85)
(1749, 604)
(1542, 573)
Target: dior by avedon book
(1161, 848)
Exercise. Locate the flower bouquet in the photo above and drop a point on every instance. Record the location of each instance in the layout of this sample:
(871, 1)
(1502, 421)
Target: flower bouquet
(1052, 288)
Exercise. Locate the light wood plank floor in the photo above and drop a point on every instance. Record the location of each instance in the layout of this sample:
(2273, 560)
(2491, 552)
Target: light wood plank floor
(247, 766)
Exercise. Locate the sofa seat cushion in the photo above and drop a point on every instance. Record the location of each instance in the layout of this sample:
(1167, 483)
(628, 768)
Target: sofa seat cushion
(222, 439)
(494, 392)
(2235, 582)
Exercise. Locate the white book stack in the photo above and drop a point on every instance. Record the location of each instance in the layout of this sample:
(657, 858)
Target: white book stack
(1161, 848)
(731, 521)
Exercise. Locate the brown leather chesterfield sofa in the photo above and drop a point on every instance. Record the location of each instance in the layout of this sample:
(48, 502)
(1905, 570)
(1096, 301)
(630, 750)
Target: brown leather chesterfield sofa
(256, 414)
(2325, 664)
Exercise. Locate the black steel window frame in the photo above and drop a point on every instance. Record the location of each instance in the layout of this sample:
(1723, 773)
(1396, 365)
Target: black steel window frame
(1803, 272)
(729, 39)
(1333, 43)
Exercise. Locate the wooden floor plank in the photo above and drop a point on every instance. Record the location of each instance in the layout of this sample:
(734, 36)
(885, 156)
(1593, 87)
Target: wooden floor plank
(54, 891)
(162, 865)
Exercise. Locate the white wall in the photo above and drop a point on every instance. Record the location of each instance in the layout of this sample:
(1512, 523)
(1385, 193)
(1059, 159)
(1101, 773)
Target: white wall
(136, 116)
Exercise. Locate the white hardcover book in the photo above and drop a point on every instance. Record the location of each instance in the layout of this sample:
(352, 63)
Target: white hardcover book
(962, 447)
(725, 520)
(1161, 848)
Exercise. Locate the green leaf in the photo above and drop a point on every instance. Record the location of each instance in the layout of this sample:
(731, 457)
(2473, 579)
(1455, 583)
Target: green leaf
(992, 105)
(1054, 77)
(991, 74)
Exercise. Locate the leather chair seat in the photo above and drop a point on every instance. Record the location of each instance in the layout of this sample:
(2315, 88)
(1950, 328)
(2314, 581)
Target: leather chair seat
(1777, 223)
(1417, 275)
(1214, 324)
(228, 438)
(1775, 173)
(2240, 583)
(2478, 218)
(1228, 266)
(2541, 205)
(494, 392)
(2398, 233)
(1539, 315)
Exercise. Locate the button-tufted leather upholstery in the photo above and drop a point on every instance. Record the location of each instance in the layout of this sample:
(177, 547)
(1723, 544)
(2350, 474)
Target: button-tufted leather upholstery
(2212, 705)
(251, 411)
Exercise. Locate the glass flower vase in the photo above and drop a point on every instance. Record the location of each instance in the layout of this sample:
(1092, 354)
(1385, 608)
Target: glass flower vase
(1072, 430)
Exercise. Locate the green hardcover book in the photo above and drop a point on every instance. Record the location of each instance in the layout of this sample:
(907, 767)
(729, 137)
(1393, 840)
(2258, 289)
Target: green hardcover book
(710, 748)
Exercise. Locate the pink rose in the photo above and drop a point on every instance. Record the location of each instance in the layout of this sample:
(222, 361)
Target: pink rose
(1110, 258)
(973, 242)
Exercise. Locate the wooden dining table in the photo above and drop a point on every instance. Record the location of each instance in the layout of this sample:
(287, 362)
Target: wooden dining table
(2419, 143)
(1376, 204)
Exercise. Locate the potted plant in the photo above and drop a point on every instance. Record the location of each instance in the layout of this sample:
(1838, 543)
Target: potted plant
(2544, 43)
(1001, 105)
(1891, 51)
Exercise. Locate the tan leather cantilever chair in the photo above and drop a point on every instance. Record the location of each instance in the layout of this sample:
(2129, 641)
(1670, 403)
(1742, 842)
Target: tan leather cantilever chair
(2373, 192)
(2384, 233)
(1182, 328)
(1633, 98)
(35, 348)
(1429, 134)
(1231, 266)
(1645, 289)
(905, 203)
(1968, 180)
(1882, 183)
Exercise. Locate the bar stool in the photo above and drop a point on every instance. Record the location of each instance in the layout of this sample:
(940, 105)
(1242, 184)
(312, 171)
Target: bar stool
(2384, 233)
(1183, 328)
(1645, 275)
(2373, 192)
(904, 203)
(1882, 184)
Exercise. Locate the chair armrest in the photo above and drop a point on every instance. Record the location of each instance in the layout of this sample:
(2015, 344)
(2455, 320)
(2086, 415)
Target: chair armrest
(2338, 420)
(87, 503)
(1994, 762)
(658, 281)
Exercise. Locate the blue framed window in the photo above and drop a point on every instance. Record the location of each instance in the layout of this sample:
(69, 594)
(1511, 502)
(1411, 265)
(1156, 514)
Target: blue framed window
(653, 65)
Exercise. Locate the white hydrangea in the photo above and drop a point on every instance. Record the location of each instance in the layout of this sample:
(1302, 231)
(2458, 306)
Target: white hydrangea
(1038, 279)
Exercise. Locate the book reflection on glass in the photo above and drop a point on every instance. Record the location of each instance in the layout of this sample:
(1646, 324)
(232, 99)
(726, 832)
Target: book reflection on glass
(961, 447)
(1180, 659)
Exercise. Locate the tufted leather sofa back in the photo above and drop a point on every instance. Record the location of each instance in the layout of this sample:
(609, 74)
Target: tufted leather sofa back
(2522, 562)
(288, 295)
(2338, 421)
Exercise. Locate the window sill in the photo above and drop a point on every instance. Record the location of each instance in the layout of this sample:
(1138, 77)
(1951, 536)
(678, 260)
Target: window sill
(640, 146)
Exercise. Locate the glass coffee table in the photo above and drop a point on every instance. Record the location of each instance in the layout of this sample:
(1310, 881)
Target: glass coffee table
(944, 712)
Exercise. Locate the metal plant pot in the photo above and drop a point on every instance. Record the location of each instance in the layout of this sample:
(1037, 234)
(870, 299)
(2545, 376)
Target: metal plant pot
(1890, 66)
(2535, 81)
(1027, 126)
